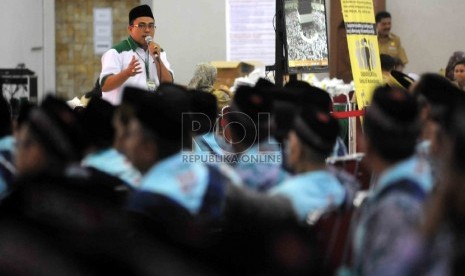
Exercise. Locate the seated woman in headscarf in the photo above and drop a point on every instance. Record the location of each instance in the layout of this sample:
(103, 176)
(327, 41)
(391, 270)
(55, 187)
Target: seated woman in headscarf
(456, 56)
(204, 79)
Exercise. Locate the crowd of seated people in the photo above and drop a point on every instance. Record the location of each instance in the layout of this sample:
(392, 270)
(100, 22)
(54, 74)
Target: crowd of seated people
(151, 187)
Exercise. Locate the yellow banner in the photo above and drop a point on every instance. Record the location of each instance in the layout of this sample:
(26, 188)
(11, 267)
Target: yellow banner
(360, 26)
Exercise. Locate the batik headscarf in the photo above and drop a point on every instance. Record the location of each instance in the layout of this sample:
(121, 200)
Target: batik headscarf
(204, 77)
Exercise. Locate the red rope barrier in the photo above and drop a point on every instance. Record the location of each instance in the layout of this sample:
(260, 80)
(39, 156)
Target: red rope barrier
(348, 114)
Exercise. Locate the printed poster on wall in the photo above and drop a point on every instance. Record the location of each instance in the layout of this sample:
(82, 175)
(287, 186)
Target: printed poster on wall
(103, 33)
(362, 40)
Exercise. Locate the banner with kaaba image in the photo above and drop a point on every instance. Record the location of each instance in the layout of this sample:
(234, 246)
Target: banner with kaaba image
(306, 36)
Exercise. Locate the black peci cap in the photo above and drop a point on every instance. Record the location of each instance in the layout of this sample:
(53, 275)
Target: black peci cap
(204, 108)
(391, 123)
(264, 83)
(308, 96)
(58, 129)
(97, 122)
(166, 112)
(133, 96)
(317, 129)
(140, 11)
(252, 101)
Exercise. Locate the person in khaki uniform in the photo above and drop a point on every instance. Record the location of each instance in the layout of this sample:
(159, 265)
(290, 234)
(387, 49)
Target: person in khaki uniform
(388, 42)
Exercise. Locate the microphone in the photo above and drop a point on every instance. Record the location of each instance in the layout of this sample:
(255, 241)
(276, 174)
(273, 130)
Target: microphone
(148, 39)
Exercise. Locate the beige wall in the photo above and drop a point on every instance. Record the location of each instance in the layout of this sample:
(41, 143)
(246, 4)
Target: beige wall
(430, 31)
(77, 67)
(190, 31)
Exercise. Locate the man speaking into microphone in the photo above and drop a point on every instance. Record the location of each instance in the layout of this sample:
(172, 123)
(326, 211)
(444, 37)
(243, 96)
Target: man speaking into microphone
(137, 61)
